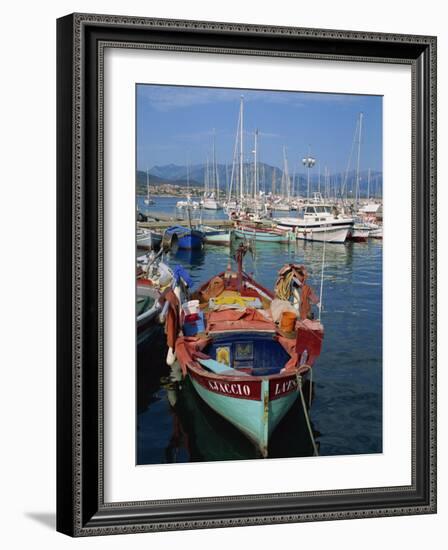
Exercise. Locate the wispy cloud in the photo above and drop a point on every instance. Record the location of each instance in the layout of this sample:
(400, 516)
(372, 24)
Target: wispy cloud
(167, 98)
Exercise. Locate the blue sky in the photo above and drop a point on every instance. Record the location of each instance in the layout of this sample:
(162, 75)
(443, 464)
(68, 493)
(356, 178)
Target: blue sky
(175, 124)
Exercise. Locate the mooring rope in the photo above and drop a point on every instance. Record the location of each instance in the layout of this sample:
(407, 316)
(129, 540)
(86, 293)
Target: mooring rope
(305, 412)
(311, 387)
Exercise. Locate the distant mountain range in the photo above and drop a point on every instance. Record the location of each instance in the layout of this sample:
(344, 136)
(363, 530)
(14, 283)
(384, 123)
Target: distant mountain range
(269, 177)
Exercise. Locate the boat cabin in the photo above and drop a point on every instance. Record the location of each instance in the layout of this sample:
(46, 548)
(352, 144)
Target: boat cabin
(318, 212)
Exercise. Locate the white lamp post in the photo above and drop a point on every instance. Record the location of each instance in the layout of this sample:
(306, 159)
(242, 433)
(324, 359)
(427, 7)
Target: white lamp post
(308, 162)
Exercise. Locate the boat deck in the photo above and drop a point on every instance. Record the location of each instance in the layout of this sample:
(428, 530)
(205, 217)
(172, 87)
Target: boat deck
(248, 309)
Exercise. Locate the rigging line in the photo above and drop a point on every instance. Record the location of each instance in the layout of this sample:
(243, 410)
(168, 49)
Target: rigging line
(322, 273)
(235, 150)
(307, 418)
(349, 162)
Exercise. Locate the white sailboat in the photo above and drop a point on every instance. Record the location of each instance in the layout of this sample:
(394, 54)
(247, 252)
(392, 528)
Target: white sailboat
(148, 200)
(188, 203)
(360, 230)
(211, 199)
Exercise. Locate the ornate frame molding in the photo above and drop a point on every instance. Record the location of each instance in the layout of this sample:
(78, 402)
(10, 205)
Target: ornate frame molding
(81, 40)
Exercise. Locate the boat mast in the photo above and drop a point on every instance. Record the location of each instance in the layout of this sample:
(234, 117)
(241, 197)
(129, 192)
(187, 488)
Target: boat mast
(358, 159)
(368, 185)
(215, 168)
(234, 176)
(286, 183)
(256, 166)
(188, 179)
(147, 184)
(206, 179)
(318, 180)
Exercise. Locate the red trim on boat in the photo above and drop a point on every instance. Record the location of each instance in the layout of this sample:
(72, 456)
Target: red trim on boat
(230, 386)
(279, 387)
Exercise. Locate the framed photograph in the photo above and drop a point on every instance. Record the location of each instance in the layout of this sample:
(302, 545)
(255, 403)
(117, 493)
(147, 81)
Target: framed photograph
(246, 274)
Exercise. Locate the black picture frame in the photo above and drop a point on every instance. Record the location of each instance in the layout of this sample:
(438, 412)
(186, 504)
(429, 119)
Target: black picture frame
(81, 510)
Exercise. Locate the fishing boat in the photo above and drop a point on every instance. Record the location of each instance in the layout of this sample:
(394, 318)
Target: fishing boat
(243, 361)
(153, 276)
(183, 237)
(256, 232)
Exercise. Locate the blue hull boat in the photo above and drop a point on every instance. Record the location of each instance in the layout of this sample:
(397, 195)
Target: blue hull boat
(183, 237)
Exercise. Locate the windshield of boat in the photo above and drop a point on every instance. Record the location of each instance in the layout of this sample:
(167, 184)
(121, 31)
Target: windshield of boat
(317, 210)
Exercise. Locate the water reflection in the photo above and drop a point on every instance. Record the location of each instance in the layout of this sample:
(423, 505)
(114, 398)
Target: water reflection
(191, 259)
(196, 433)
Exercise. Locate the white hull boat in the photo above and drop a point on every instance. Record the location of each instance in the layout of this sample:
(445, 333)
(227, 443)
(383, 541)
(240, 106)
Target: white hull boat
(187, 204)
(211, 204)
(308, 231)
(323, 234)
(318, 223)
(212, 235)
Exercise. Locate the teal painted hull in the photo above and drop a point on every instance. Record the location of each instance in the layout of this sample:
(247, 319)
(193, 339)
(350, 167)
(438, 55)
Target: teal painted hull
(256, 419)
(261, 236)
(215, 236)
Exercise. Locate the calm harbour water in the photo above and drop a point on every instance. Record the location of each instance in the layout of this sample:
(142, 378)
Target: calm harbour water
(174, 425)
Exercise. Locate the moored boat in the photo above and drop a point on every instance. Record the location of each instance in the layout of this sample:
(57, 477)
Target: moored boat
(359, 233)
(212, 235)
(319, 222)
(147, 309)
(143, 238)
(256, 232)
(155, 280)
(146, 238)
(243, 364)
(376, 232)
(189, 203)
(183, 237)
(375, 229)
(210, 203)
